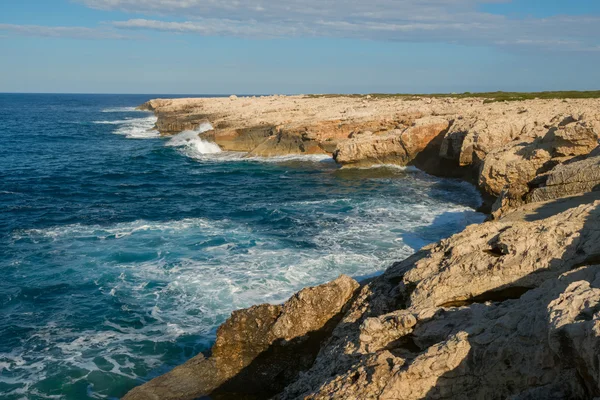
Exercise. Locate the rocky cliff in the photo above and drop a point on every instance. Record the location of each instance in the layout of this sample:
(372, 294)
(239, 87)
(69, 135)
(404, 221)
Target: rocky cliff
(490, 144)
(508, 309)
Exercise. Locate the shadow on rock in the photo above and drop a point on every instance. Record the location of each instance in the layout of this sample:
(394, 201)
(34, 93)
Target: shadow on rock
(536, 342)
(258, 350)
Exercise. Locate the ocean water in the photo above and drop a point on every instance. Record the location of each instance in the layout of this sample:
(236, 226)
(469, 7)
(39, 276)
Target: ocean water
(121, 252)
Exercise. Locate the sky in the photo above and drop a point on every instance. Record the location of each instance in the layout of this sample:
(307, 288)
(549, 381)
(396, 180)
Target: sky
(298, 46)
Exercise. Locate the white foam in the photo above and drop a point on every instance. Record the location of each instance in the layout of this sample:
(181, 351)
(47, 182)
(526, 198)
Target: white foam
(138, 128)
(410, 168)
(117, 122)
(132, 128)
(119, 109)
(192, 145)
(115, 231)
(200, 270)
(292, 157)
(229, 156)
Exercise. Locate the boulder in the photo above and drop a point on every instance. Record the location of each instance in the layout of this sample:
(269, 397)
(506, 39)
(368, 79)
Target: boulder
(513, 166)
(257, 350)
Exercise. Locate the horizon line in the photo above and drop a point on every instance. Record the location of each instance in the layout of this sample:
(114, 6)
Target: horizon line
(465, 93)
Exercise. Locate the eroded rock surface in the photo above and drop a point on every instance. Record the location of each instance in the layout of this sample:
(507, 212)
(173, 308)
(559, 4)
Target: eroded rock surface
(397, 146)
(272, 342)
(503, 147)
(506, 309)
(569, 179)
(518, 163)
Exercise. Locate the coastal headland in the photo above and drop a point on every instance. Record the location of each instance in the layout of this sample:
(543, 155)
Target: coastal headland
(509, 308)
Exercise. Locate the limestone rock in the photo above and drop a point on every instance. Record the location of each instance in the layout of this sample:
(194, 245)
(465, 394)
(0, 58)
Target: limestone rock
(506, 309)
(393, 147)
(173, 118)
(274, 342)
(515, 165)
(569, 179)
(491, 257)
(283, 143)
(372, 150)
(403, 131)
(471, 138)
(574, 138)
(243, 139)
(173, 124)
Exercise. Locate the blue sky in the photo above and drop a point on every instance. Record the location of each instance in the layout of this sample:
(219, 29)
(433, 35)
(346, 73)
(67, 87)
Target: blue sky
(298, 46)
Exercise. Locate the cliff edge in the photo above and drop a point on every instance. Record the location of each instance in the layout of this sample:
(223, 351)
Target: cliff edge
(494, 145)
(506, 309)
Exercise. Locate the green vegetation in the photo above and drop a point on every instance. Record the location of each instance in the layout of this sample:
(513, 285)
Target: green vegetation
(489, 97)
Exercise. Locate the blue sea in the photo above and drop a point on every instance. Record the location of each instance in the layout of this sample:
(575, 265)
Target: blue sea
(122, 251)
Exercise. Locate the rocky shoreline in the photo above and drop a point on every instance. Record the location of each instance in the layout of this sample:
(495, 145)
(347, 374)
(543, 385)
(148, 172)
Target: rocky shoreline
(506, 309)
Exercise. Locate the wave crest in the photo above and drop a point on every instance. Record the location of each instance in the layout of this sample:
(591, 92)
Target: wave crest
(191, 143)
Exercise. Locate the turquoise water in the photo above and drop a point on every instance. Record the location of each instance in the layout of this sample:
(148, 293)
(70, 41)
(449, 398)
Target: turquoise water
(121, 252)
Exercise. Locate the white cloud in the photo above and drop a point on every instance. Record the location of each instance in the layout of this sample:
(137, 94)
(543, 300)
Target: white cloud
(447, 21)
(73, 32)
(210, 27)
(454, 21)
(556, 33)
(317, 27)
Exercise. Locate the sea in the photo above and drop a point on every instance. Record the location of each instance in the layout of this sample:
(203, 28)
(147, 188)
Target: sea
(122, 251)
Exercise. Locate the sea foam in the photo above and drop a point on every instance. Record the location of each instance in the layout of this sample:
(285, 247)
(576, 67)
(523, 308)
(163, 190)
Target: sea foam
(142, 127)
(192, 145)
(175, 281)
(119, 109)
(138, 128)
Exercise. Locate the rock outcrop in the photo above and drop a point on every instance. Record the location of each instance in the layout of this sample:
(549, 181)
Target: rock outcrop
(397, 146)
(508, 309)
(273, 342)
(174, 118)
(518, 163)
(502, 146)
(568, 179)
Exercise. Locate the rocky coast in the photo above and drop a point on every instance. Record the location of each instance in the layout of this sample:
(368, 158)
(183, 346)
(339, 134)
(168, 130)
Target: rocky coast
(507, 309)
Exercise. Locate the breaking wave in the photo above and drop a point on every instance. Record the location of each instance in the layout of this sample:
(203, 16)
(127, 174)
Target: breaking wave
(134, 128)
(119, 109)
(192, 145)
